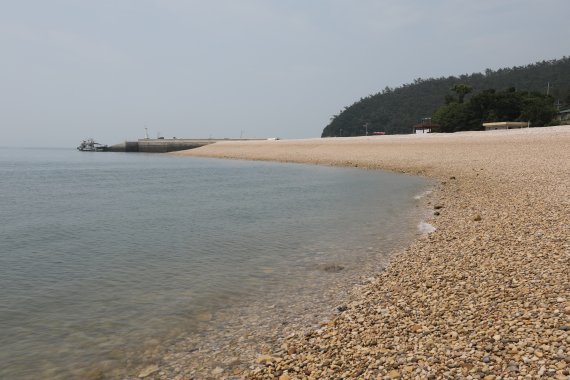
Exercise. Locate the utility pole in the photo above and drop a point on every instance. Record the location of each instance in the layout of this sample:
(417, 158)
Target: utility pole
(366, 127)
(548, 89)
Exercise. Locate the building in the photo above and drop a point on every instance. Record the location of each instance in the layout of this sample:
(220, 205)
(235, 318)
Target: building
(419, 129)
(506, 125)
(563, 116)
(426, 126)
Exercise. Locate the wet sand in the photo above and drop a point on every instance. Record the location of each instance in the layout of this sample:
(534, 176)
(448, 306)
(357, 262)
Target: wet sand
(487, 295)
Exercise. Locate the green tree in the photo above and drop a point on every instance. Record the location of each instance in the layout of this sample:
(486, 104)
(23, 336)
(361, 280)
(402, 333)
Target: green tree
(538, 109)
(451, 117)
(396, 110)
(491, 106)
(461, 90)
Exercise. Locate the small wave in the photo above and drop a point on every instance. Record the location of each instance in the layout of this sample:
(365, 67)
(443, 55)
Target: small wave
(422, 194)
(426, 228)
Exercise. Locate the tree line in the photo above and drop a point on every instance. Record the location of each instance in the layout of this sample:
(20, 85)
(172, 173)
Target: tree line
(396, 110)
(491, 106)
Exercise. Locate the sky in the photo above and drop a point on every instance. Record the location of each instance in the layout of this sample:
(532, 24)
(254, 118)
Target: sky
(72, 69)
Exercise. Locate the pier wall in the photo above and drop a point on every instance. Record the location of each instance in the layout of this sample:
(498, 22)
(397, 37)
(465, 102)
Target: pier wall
(159, 145)
(163, 145)
(170, 145)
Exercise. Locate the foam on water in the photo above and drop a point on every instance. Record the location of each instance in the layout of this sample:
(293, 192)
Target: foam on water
(423, 194)
(425, 228)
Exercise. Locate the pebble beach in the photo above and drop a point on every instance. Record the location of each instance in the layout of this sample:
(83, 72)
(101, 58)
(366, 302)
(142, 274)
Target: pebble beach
(484, 296)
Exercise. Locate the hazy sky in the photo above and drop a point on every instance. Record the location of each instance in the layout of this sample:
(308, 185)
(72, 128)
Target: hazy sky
(72, 69)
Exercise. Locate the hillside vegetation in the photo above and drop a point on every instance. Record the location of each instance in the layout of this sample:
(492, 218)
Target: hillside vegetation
(396, 110)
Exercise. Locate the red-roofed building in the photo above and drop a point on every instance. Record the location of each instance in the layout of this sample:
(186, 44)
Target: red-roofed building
(426, 126)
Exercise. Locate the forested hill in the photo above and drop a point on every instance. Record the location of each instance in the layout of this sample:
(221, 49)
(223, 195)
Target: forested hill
(397, 110)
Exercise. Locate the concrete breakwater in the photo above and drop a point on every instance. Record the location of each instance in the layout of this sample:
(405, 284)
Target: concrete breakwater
(163, 145)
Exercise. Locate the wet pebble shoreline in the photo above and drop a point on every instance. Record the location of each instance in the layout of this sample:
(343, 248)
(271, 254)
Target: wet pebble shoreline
(485, 296)
(230, 340)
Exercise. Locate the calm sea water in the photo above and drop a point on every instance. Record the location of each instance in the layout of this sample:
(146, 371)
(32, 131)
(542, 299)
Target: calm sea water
(100, 251)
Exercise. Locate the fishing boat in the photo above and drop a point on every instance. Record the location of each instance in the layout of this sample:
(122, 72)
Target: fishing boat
(89, 145)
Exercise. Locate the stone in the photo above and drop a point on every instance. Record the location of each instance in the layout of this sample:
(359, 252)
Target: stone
(232, 361)
(217, 371)
(147, 371)
(394, 374)
(264, 359)
(513, 367)
(477, 218)
(333, 268)
(204, 316)
(236, 371)
(416, 328)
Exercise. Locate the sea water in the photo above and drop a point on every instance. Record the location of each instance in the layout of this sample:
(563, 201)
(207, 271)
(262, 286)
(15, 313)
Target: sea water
(100, 252)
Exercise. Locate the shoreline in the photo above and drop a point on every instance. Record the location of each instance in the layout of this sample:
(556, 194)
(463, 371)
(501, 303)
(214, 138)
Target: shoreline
(484, 296)
(231, 337)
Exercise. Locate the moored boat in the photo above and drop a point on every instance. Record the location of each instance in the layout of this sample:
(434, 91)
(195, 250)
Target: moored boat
(89, 145)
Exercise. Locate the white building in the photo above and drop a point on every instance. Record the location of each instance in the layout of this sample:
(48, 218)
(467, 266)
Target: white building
(506, 125)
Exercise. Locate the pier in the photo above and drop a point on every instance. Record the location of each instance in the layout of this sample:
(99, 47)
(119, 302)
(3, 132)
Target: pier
(165, 145)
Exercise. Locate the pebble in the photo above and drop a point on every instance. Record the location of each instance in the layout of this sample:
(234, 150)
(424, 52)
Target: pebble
(147, 371)
(394, 374)
(217, 371)
(483, 300)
